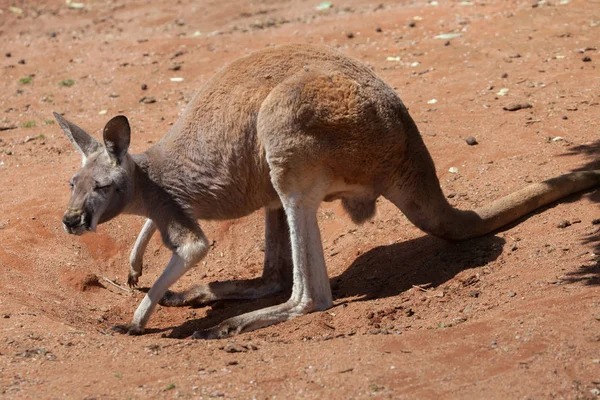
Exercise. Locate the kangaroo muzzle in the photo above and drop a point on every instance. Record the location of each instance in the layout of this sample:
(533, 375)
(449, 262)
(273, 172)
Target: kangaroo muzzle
(74, 222)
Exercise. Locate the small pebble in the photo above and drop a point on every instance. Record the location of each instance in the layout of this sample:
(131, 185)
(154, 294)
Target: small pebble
(596, 221)
(504, 75)
(21, 61)
(378, 29)
(447, 43)
(147, 100)
(144, 86)
(565, 117)
(350, 35)
(471, 141)
(512, 294)
(8, 55)
(412, 24)
(586, 59)
(517, 106)
(563, 224)
(234, 348)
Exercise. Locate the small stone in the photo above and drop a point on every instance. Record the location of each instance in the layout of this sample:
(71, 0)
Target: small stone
(22, 62)
(378, 29)
(412, 24)
(563, 224)
(517, 106)
(350, 35)
(144, 86)
(175, 67)
(511, 294)
(586, 59)
(565, 117)
(471, 141)
(147, 100)
(596, 221)
(447, 43)
(234, 348)
(8, 55)
(504, 75)
(6, 316)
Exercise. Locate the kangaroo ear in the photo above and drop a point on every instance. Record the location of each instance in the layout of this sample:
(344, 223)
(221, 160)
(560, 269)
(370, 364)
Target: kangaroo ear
(83, 142)
(117, 134)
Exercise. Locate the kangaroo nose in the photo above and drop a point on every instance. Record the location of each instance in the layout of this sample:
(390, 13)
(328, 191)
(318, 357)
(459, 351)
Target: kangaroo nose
(72, 219)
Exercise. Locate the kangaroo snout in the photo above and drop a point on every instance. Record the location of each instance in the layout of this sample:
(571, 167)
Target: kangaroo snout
(74, 222)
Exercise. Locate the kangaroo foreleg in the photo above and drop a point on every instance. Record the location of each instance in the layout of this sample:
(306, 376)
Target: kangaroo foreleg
(276, 277)
(137, 253)
(188, 248)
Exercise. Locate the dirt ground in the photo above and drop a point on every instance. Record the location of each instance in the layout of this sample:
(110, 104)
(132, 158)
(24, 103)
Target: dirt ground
(513, 315)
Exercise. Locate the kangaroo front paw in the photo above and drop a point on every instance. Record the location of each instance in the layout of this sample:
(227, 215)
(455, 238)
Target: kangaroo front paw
(128, 329)
(132, 279)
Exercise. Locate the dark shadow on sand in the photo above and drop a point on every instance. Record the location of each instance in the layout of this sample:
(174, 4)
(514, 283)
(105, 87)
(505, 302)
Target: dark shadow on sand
(382, 272)
(589, 274)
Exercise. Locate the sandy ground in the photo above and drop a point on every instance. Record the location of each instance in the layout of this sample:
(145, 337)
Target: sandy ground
(512, 315)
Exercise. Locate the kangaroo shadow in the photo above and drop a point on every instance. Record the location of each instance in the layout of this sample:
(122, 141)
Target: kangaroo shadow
(384, 271)
(388, 271)
(589, 274)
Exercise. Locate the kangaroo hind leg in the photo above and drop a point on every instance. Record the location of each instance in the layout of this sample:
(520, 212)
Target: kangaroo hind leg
(310, 289)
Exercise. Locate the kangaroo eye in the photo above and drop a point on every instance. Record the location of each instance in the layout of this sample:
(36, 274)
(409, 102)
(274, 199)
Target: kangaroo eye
(71, 184)
(102, 186)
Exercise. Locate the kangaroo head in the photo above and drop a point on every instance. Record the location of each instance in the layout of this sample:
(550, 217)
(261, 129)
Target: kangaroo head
(103, 186)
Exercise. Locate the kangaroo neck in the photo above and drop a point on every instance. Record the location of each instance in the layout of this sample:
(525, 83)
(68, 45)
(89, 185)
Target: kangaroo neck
(139, 185)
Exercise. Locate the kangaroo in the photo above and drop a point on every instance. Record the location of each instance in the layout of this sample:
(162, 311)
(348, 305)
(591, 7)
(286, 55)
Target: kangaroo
(282, 129)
